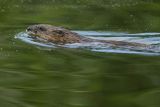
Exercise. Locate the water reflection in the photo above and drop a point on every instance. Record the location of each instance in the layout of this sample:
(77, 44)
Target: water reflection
(78, 78)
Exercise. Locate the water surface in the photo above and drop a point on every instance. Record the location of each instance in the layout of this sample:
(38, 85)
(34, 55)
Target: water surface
(40, 76)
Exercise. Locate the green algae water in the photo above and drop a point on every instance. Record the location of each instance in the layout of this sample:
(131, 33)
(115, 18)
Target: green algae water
(40, 76)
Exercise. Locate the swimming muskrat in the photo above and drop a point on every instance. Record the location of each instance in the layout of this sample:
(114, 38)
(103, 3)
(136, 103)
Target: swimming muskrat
(60, 35)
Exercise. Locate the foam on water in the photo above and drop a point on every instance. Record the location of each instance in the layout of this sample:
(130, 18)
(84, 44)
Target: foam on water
(145, 38)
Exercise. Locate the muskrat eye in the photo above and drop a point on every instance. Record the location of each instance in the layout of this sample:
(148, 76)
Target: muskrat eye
(42, 28)
(35, 31)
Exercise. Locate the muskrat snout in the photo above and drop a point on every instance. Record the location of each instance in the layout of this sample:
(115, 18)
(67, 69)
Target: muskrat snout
(28, 29)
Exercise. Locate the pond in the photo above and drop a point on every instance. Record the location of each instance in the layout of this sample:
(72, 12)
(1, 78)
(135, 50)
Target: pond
(40, 76)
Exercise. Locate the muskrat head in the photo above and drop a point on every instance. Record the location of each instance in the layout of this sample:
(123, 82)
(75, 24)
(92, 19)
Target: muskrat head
(53, 34)
(36, 30)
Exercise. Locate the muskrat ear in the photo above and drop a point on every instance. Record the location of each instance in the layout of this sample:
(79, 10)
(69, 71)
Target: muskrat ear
(60, 32)
(65, 28)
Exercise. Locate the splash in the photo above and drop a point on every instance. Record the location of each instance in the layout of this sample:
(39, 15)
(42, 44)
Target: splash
(152, 39)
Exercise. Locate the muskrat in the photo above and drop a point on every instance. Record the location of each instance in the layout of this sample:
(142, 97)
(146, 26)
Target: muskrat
(60, 35)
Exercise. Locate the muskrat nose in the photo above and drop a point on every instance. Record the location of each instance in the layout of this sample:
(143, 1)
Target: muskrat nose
(28, 29)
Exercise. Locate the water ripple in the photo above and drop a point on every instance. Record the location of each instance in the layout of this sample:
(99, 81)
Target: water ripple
(152, 39)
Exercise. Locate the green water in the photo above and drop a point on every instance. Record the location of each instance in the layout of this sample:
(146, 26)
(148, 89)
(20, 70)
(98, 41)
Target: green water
(31, 76)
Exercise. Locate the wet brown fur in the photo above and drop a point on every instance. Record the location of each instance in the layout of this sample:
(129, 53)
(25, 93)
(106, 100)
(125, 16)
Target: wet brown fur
(61, 35)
